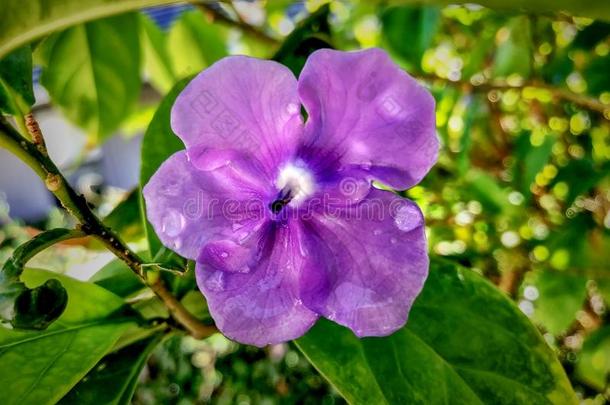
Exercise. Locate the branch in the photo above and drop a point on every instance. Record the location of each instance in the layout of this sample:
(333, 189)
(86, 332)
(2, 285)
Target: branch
(31, 154)
(590, 103)
(218, 15)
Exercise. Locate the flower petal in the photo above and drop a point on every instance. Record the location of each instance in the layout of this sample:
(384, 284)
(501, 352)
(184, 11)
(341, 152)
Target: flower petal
(260, 306)
(241, 103)
(188, 207)
(376, 263)
(366, 113)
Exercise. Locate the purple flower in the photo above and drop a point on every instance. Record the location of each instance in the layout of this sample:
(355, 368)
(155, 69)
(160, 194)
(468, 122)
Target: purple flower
(281, 216)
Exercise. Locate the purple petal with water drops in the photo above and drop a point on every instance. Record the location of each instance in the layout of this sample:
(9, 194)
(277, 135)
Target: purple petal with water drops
(253, 295)
(241, 103)
(366, 113)
(189, 207)
(376, 262)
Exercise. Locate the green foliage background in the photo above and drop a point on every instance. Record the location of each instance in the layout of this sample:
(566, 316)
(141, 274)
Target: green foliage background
(517, 208)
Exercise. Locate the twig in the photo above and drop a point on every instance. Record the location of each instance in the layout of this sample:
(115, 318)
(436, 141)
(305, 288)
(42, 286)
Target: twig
(90, 224)
(590, 103)
(247, 28)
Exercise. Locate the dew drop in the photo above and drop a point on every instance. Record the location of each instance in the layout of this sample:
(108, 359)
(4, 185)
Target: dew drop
(407, 218)
(366, 165)
(393, 241)
(377, 232)
(269, 282)
(224, 255)
(216, 281)
(292, 108)
(173, 223)
(170, 189)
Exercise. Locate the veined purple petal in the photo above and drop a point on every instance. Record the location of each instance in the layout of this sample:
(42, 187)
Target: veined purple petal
(244, 104)
(367, 114)
(260, 304)
(189, 207)
(375, 260)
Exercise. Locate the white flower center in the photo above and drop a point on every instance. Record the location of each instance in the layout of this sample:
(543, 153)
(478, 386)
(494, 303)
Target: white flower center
(297, 181)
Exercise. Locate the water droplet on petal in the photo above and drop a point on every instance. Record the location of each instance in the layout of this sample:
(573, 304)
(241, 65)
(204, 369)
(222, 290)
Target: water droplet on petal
(393, 241)
(172, 224)
(215, 281)
(270, 281)
(407, 218)
(377, 232)
(224, 255)
(292, 108)
(170, 189)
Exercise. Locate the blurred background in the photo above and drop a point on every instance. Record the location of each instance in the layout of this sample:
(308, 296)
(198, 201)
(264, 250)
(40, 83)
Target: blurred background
(521, 192)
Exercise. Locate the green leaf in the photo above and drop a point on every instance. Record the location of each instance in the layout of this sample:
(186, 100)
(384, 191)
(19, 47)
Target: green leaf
(157, 63)
(24, 21)
(409, 31)
(37, 308)
(514, 55)
(118, 371)
(560, 296)
(32, 308)
(125, 219)
(51, 362)
(118, 278)
(194, 44)
(14, 266)
(485, 188)
(158, 144)
(311, 34)
(597, 9)
(16, 91)
(465, 343)
(531, 160)
(94, 73)
(593, 365)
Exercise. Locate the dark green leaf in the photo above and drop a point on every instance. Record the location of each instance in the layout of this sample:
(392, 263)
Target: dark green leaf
(39, 307)
(465, 343)
(26, 308)
(409, 31)
(593, 366)
(125, 219)
(560, 296)
(159, 143)
(532, 160)
(310, 35)
(94, 73)
(118, 278)
(16, 91)
(113, 380)
(485, 188)
(41, 367)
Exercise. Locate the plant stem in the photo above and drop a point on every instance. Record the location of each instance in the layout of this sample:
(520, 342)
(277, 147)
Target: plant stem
(89, 223)
(582, 100)
(247, 28)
